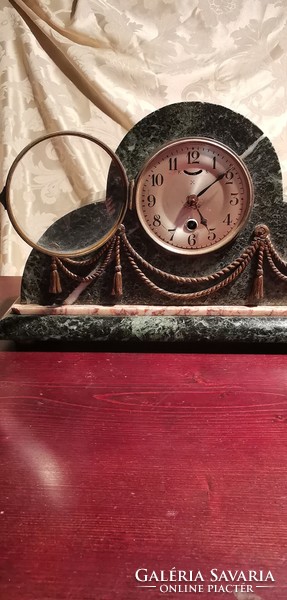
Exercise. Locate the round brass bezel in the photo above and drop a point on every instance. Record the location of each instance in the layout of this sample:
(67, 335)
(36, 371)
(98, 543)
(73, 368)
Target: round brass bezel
(17, 226)
(233, 233)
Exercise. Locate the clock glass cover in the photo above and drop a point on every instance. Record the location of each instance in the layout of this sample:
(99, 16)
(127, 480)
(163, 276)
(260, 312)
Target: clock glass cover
(56, 194)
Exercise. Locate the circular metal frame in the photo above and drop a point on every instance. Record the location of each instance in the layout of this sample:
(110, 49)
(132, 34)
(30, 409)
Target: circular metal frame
(233, 233)
(16, 225)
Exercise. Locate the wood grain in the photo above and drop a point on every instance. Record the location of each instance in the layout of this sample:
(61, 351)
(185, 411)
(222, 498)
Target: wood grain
(112, 462)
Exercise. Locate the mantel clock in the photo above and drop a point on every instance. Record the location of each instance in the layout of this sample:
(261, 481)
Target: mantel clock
(180, 235)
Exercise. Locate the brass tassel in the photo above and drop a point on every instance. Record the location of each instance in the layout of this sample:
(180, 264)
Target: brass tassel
(257, 292)
(118, 282)
(117, 290)
(258, 287)
(55, 282)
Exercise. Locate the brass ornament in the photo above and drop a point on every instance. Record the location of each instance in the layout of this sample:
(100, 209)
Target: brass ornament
(259, 248)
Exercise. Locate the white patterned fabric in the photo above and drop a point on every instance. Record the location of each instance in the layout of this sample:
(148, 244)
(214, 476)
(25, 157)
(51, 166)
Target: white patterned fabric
(99, 66)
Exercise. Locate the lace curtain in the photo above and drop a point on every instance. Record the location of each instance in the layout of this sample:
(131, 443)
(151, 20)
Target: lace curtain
(99, 66)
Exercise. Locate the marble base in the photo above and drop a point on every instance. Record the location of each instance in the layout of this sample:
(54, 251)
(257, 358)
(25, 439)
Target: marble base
(122, 310)
(170, 330)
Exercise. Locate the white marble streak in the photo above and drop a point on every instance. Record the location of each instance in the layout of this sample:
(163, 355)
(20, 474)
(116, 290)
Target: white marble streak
(252, 147)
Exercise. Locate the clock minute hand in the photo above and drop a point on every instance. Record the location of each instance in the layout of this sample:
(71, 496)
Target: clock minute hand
(208, 186)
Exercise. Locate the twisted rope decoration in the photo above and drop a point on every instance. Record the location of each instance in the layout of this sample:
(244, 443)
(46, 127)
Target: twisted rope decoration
(98, 272)
(274, 269)
(249, 252)
(192, 295)
(266, 249)
(261, 244)
(88, 261)
(238, 266)
(257, 291)
(118, 284)
(274, 254)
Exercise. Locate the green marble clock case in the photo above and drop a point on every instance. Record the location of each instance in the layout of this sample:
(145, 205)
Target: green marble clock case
(172, 122)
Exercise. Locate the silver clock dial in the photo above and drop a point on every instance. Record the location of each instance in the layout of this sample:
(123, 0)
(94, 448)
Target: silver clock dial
(193, 196)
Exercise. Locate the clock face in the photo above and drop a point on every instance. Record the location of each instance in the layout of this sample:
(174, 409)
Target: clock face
(193, 196)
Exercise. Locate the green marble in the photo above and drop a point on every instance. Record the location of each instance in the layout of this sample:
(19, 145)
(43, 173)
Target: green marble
(137, 330)
(171, 122)
(176, 121)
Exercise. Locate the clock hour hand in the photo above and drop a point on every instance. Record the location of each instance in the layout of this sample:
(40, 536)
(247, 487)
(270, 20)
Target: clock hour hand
(191, 202)
(203, 221)
(208, 186)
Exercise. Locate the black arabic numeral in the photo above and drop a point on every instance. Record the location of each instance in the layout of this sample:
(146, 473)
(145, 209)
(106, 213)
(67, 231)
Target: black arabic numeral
(211, 236)
(172, 233)
(191, 239)
(227, 219)
(234, 199)
(151, 200)
(214, 162)
(157, 179)
(229, 177)
(156, 221)
(192, 157)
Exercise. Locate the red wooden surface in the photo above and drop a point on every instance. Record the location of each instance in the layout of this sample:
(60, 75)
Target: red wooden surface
(114, 462)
